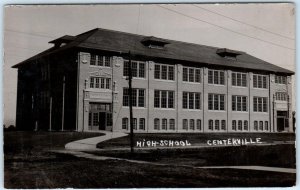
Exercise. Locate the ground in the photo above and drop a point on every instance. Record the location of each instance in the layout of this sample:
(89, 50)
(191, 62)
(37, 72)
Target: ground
(29, 165)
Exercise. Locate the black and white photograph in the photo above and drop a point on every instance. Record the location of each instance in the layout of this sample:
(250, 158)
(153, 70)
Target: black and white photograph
(149, 95)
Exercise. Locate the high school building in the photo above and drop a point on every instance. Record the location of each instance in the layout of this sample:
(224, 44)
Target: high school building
(81, 84)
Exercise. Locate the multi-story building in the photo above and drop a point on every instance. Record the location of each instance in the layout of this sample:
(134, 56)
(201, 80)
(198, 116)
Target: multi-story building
(81, 84)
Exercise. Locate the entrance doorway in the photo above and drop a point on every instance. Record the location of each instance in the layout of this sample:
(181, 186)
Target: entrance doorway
(100, 116)
(282, 120)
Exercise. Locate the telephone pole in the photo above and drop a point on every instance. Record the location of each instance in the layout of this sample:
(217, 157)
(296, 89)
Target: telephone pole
(130, 104)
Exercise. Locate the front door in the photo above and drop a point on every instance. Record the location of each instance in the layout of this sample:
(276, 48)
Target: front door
(102, 120)
(280, 124)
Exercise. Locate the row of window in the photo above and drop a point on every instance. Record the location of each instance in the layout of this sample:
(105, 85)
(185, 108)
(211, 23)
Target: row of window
(166, 72)
(192, 100)
(195, 124)
(215, 125)
(281, 96)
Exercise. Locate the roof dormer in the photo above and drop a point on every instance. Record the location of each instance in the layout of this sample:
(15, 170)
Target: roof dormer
(153, 42)
(62, 40)
(228, 53)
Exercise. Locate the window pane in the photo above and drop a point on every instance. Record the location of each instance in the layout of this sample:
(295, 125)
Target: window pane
(217, 125)
(233, 101)
(192, 124)
(156, 99)
(244, 80)
(222, 102)
(197, 101)
(246, 125)
(100, 61)
(97, 82)
(240, 123)
(172, 124)
(223, 125)
(199, 124)
(191, 75)
(93, 59)
(255, 81)
(222, 77)
(210, 77)
(210, 124)
(164, 124)
(216, 77)
(255, 125)
(216, 102)
(244, 104)
(164, 99)
(134, 97)
(125, 97)
(126, 68)
(156, 124)
(164, 72)
(92, 82)
(102, 83)
(157, 72)
(134, 68)
(239, 79)
(170, 99)
(185, 74)
(184, 100)
(239, 103)
(261, 125)
(198, 76)
(142, 70)
(264, 82)
(124, 123)
(233, 79)
(191, 100)
(107, 61)
(171, 73)
(141, 98)
(185, 124)
(234, 125)
(107, 83)
(210, 101)
(266, 126)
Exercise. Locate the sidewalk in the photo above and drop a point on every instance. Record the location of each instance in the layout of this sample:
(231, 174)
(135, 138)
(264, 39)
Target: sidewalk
(91, 143)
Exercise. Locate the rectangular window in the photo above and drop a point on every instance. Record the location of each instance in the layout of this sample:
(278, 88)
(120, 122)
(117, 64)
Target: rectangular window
(217, 125)
(191, 100)
(216, 102)
(259, 81)
(163, 99)
(185, 74)
(223, 125)
(100, 82)
(164, 72)
(246, 125)
(239, 103)
(260, 104)
(134, 121)
(240, 125)
(234, 125)
(142, 124)
(164, 124)
(255, 125)
(95, 119)
(281, 96)
(210, 124)
(280, 79)
(192, 124)
(261, 125)
(137, 69)
(185, 124)
(172, 124)
(138, 97)
(239, 79)
(216, 77)
(266, 126)
(191, 75)
(99, 60)
(199, 124)
(156, 124)
(125, 123)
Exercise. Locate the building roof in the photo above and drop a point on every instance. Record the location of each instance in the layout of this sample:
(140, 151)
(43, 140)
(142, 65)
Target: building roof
(121, 42)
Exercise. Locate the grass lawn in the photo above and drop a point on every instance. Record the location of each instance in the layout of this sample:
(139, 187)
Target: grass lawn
(28, 165)
(195, 138)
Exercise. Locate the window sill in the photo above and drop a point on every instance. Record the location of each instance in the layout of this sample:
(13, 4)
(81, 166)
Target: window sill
(97, 66)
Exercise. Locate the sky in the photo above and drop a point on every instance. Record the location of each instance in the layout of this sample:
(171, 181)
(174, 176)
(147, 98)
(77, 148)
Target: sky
(266, 31)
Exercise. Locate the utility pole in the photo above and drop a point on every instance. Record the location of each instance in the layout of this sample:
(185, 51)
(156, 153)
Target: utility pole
(63, 105)
(130, 104)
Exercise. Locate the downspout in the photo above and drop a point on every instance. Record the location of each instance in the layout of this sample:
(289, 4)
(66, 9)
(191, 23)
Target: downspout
(270, 102)
(203, 107)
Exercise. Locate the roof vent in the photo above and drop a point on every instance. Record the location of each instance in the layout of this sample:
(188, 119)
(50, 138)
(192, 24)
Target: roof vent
(153, 42)
(228, 53)
(62, 40)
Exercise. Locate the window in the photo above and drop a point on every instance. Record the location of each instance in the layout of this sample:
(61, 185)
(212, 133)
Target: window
(234, 125)
(134, 123)
(246, 125)
(191, 75)
(192, 124)
(199, 124)
(90, 119)
(261, 125)
(163, 99)
(100, 82)
(259, 81)
(185, 124)
(156, 124)
(164, 72)
(99, 60)
(137, 69)
(280, 79)
(210, 124)
(239, 103)
(95, 119)
(125, 123)
(266, 126)
(281, 96)
(191, 100)
(172, 124)
(260, 104)
(239, 79)
(240, 125)
(216, 102)
(217, 125)
(255, 125)
(142, 124)
(216, 77)
(223, 125)
(138, 97)
(164, 124)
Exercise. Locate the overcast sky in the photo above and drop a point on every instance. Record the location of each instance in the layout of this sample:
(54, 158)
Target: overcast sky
(266, 31)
